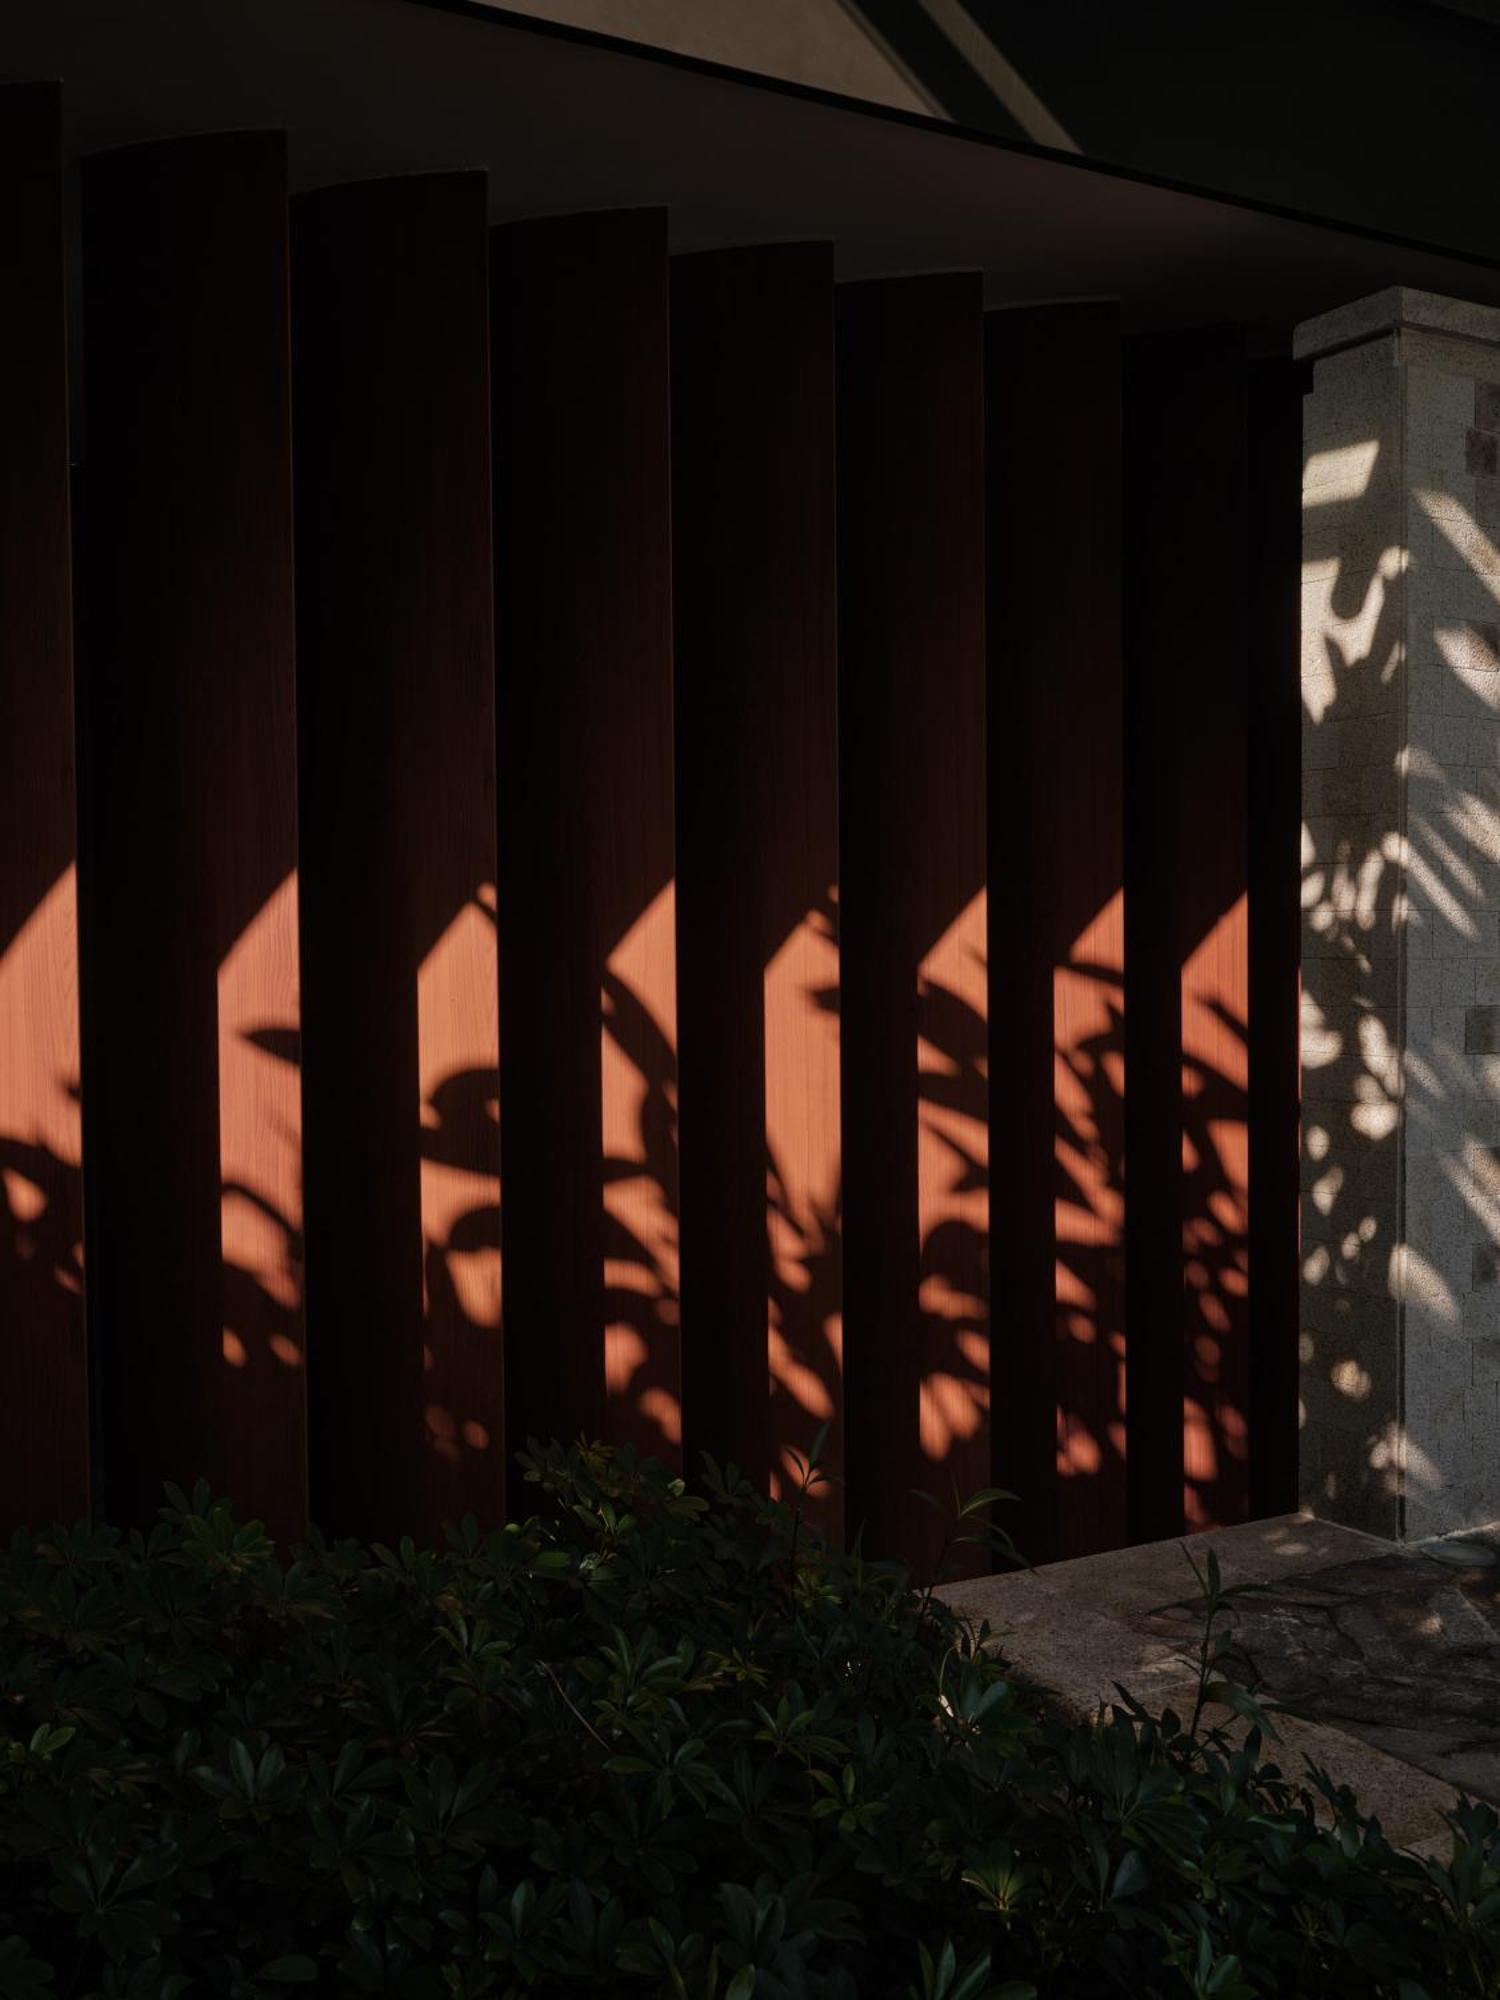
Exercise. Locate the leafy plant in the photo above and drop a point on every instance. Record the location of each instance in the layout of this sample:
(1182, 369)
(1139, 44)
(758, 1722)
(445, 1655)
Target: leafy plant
(1224, 1674)
(649, 1740)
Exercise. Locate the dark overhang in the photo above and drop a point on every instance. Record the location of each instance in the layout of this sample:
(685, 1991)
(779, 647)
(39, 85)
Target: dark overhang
(566, 121)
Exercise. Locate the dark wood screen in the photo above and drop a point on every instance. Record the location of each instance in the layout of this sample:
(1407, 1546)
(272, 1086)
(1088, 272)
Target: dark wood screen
(754, 547)
(188, 877)
(1273, 878)
(663, 850)
(1057, 929)
(397, 776)
(588, 1017)
(912, 903)
(44, 1432)
(1197, 587)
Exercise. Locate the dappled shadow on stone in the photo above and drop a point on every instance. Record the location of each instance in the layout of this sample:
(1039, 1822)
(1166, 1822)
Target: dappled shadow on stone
(1401, 1651)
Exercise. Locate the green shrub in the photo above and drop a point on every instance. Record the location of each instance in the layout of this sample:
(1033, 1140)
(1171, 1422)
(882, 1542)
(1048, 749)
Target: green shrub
(648, 1742)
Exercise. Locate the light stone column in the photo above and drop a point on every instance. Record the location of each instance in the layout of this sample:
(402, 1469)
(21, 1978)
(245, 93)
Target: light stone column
(1401, 916)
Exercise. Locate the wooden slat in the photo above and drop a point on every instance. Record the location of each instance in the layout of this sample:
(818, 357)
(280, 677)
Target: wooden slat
(754, 556)
(1187, 595)
(1057, 922)
(44, 1432)
(1274, 874)
(397, 787)
(584, 650)
(188, 875)
(912, 902)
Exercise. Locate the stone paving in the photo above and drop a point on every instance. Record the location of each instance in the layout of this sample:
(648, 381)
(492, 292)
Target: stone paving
(1389, 1655)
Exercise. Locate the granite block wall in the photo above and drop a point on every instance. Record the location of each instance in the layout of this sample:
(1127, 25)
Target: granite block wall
(1401, 916)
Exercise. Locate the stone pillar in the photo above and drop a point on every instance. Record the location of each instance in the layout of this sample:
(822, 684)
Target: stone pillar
(1401, 916)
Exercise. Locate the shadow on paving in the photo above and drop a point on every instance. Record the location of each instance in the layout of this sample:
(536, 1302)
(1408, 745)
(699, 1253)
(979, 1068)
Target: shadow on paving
(1400, 1650)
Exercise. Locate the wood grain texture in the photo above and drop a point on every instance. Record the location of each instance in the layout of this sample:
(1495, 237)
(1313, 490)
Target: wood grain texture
(1187, 600)
(754, 565)
(584, 644)
(187, 878)
(1274, 745)
(1057, 922)
(397, 782)
(44, 1427)
(911, 902)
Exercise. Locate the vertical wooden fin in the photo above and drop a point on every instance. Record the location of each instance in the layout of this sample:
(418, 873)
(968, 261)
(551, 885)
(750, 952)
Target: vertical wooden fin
(912, 902)
(589, 1000)
(754, 554)
(1274, 877)
(1057, 922)
(44, 1415)
(188, 876)
(397, 771)
(1187, 598)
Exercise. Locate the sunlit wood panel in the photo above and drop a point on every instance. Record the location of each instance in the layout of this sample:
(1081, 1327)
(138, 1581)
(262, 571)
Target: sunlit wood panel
(912, 905)
(584, 688)
(1188, 595)
(1052, 393)
(397, 778)
(44, 1438)
(642, 1279)
(188, 891)
(754, 552)
(1215, 1029)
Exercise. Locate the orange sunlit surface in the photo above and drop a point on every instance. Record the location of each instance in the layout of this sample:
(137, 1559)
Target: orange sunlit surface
(1089, 1211)
(1215, 1242)
(641, 1340)
(41, 1142)
(260, 1200)
(953, 1198)
(41, 1210)
(260, 1124)
(805, 1325)
(39, 1111)
(459, 1065)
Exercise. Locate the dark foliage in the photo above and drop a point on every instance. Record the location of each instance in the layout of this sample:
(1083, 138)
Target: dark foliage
(653, 1742)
